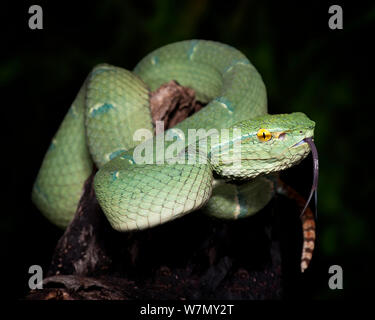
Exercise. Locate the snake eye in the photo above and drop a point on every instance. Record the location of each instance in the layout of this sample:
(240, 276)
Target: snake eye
(264, 135)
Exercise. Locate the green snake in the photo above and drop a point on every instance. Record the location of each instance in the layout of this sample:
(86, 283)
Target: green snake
(225, 182)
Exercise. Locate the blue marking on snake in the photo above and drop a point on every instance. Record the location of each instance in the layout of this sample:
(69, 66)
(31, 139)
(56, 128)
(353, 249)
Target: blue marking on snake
(102, 109)
(229, 143)
(174, 132)
(114, 154)
(38, 190)
(100, 70)
(242, 203)
(235, 62)
(193, 45)
(246, 136)
(114, 175)
(128, 157)
(226, 103)
(72, 112)
(155, 60)
(51, 147)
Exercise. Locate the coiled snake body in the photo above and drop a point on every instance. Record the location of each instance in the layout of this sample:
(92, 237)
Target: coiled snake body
(113, 104)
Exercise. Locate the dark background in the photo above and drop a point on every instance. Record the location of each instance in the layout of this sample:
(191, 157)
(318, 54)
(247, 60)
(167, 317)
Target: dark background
(306, 67)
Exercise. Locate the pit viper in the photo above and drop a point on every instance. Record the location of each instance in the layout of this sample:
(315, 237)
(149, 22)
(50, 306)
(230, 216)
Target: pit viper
(143, 181)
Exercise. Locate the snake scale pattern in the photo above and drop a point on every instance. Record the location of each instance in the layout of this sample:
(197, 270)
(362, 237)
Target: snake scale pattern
(113, 103)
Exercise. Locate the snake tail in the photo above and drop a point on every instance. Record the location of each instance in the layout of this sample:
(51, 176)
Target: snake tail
(309, 236)
(308, 223)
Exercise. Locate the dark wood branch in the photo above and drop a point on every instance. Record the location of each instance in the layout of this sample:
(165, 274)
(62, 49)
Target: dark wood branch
(173, 103)
(80, 251)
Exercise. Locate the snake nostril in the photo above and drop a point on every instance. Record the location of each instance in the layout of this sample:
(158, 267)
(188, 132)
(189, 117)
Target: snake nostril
(282, 136)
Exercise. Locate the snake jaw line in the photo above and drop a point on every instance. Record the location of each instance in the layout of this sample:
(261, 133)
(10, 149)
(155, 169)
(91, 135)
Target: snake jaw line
(299, 143)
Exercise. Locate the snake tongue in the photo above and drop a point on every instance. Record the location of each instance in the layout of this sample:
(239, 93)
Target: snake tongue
(314, 187)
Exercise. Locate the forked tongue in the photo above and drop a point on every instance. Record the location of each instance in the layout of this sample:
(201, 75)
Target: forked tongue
(314, 188)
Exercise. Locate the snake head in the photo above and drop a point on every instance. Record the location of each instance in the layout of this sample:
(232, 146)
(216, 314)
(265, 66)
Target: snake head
(263, 145)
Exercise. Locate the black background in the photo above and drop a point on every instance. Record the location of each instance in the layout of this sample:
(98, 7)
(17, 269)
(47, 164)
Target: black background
(306, 67)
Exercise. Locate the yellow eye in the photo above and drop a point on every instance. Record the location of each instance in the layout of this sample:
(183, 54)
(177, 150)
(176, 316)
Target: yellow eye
(264, 135)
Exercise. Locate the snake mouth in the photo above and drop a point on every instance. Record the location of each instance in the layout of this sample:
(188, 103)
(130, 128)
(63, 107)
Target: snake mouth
(303, 141)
